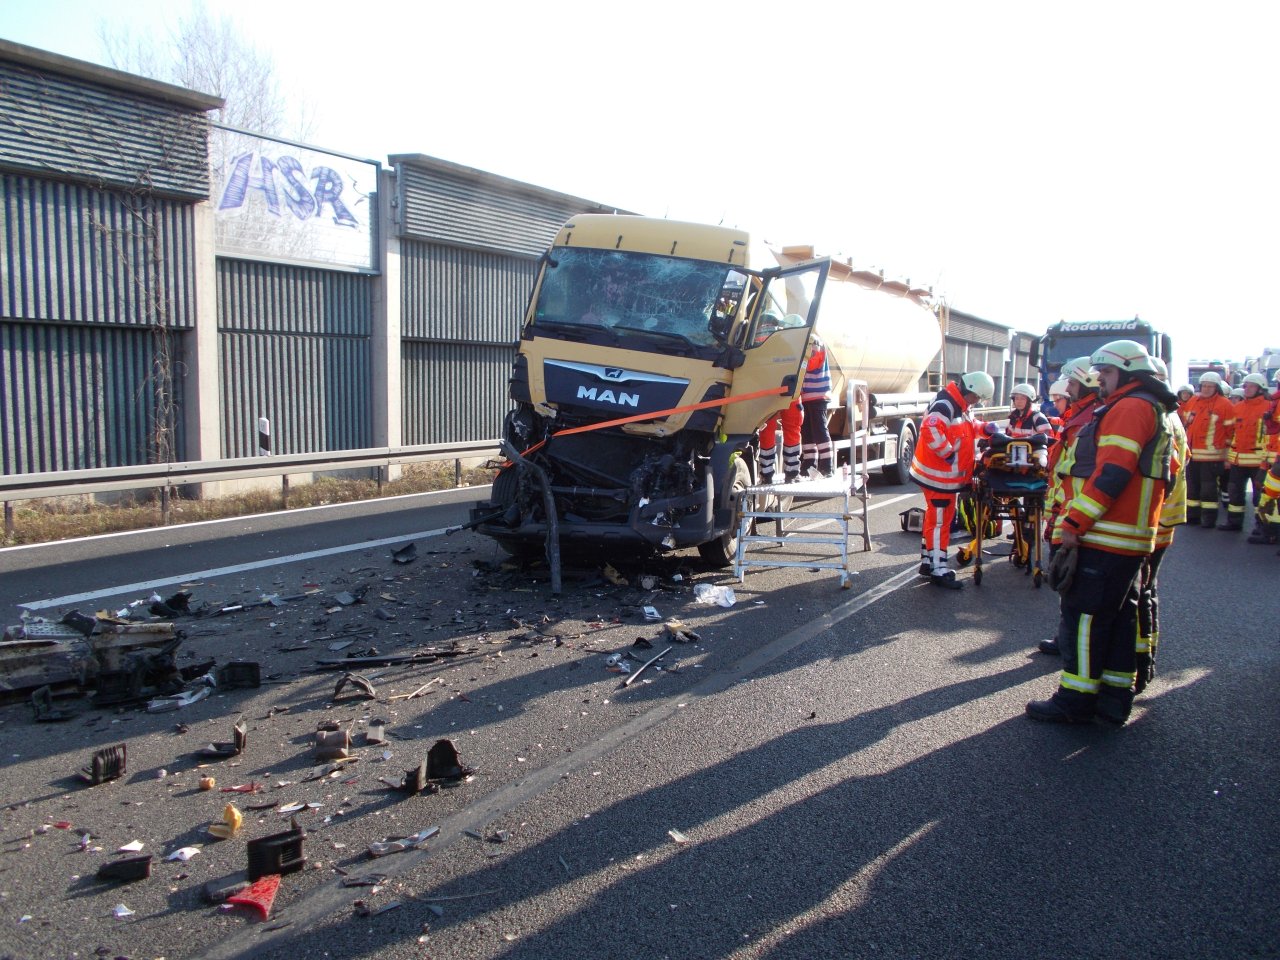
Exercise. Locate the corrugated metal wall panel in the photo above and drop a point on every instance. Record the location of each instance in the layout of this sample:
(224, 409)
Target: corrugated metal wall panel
(467, 295)
(976, 330)
(64, 127)
(456, 210)
(453, 393)
(78, 397)
(294, 347)
(79, 255)
(262, 297)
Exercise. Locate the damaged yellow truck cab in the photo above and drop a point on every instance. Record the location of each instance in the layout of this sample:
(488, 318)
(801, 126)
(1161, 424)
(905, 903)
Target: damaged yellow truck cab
(641, 376)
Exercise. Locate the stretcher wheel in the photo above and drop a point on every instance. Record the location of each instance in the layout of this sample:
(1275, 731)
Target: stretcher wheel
(1039, 579)
(977, 577)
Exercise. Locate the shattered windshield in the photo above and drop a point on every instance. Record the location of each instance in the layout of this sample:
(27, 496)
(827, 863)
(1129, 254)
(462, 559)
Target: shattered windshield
(638, 294)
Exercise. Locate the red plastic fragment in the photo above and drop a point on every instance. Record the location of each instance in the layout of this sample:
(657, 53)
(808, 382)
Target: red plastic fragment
(243, 788)
(259, 896)
(63, 824)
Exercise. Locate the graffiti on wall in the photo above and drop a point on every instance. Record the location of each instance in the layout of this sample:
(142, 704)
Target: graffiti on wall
(286, 203)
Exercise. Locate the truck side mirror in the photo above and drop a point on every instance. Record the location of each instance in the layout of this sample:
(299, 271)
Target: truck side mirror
(1034, 356)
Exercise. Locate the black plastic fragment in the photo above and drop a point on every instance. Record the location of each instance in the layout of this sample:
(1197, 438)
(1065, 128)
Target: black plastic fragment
(224, 750)
(107, 764)
(279, 853)
(231, 676)
(128, 869)
(443, 762)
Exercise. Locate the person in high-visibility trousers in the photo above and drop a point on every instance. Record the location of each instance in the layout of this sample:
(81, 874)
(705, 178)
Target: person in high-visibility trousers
(1121, 471)
(943, 466)
(1172, 515)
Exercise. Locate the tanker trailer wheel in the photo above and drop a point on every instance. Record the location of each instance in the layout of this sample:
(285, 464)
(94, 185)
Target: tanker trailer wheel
(900, 470)
(723, 550)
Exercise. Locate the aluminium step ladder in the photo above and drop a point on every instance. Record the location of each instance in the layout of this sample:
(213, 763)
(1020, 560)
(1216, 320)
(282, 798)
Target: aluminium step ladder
(784, 504)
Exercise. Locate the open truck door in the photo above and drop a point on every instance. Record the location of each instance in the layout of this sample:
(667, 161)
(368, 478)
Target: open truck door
(774, 358)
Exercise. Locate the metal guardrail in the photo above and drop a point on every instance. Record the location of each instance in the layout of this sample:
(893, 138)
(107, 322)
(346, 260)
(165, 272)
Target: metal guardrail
(164, 476)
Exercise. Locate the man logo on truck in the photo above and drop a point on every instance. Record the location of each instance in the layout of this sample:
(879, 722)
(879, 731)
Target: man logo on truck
(607, 396)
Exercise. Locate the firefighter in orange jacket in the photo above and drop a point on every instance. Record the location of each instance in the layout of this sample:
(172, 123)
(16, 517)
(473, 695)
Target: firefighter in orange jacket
(1266, 516)
(1209, 417)
(1247, 449)
(1120, 473)
(943, 466)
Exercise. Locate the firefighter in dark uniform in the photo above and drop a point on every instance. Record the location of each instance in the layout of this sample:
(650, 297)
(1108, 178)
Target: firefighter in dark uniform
(1118, 482)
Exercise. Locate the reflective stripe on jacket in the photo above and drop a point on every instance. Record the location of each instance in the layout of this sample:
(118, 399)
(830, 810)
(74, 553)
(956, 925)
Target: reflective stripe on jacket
(1248, 446)
(817, 375)
(943, 458)
(1173, 512)
(1123, 458)
(1028, 424)
(1209, 426)
(1074, 419)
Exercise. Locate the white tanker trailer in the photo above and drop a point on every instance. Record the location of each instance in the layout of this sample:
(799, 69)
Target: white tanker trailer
(643, 372)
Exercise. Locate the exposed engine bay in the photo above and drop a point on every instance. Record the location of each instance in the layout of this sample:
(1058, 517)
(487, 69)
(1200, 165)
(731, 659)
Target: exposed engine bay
(646, 484)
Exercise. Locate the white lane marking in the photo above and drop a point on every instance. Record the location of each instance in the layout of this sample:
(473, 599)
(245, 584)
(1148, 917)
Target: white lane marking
(259, 564)
(196, 524)
(224, 571)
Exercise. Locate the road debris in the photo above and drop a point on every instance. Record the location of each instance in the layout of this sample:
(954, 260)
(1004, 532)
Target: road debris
(126, 870)
(229, 825)
(277, 854)
(223, 750)
(364, 909)
(375, 734)
(389, 845)
(360, 684)
(677, 631)
(333, 745)
(648, 663)
(712, 594)
(406, 554)
(183, 853)
(258, 896)
(107, 764)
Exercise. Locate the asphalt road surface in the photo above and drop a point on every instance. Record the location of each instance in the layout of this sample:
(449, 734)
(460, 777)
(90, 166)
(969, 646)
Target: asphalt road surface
(821, 773)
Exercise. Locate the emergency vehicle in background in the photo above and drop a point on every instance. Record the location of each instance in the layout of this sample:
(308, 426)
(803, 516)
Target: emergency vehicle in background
(1230, 372)
(645, 366)
(1068, 339)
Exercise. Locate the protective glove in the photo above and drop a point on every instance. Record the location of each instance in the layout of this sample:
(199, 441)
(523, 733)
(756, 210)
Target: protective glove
(1062, 569)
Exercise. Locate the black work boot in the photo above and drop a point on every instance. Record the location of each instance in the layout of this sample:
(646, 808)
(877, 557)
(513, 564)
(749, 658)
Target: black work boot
(1208, 518)
(1114, 705)
(945, 579)
(1049, 648)
(1060, 709)
(1234, 521)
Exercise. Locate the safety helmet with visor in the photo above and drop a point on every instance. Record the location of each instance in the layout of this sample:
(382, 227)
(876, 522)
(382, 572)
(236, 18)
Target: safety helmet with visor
(1128, 355)
(978, 382)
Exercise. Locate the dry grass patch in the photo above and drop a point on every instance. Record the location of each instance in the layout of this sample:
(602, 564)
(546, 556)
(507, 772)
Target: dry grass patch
(62, 518)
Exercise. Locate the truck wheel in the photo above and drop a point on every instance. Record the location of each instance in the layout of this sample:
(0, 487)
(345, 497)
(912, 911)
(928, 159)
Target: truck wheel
(723, 550)
(900, 470)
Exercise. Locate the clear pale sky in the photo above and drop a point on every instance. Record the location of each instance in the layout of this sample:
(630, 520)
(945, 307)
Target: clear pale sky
(1031, 162)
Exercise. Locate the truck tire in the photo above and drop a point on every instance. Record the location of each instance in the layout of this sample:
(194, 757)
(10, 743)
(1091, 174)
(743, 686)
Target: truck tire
(900, 470)
(723, 550)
